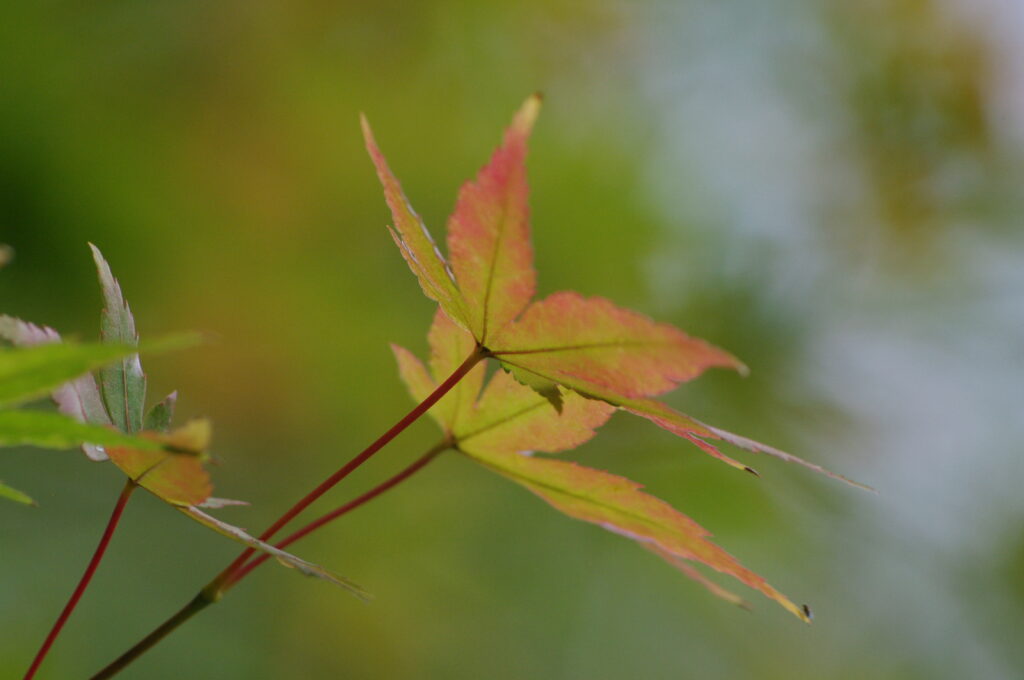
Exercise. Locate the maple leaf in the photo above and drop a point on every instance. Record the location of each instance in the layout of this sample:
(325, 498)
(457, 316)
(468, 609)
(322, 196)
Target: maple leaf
(498, 424)
(111, 422)
(175, 473)
(588, 345)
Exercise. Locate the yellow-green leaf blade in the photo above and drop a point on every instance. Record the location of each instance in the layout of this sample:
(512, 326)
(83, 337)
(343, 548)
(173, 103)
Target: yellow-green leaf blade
(489, 234)
(450, 345)
(413, 239)
(510, 417)
(596, 348)
(618, 505)
(417, 380)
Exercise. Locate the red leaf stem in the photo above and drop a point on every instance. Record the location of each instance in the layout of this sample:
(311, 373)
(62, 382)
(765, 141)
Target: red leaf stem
(83, 583)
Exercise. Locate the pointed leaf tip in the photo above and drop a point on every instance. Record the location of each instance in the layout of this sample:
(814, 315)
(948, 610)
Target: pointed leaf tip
(413, 238)
(618, 505)
(757, 447)
(160, 416)
(527, 114)
(489, 234)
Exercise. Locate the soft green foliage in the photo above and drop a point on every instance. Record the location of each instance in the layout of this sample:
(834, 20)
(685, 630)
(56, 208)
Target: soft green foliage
(830, 190)
(55, 431)
(28, 373)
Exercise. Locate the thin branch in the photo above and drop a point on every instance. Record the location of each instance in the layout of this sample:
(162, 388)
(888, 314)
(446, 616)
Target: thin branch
(83, 583)
(411, 417)
(227, 578)
(216, 588)
(412, 469)
(199, 602)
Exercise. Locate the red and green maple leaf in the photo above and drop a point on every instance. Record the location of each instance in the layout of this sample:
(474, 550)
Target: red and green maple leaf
(503, 423)
(574, 361)
(588, 345)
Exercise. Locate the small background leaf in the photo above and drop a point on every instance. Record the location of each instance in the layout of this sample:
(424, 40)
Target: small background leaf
(160, 416)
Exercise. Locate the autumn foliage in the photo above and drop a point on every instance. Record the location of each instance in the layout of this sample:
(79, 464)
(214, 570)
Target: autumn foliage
(569, 362)
(564, 365)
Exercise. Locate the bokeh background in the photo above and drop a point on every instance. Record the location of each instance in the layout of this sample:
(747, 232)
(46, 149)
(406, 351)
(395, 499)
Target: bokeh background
(831, 190)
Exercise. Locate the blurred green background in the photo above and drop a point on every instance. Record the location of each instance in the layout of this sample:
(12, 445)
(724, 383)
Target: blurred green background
(831, 190)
